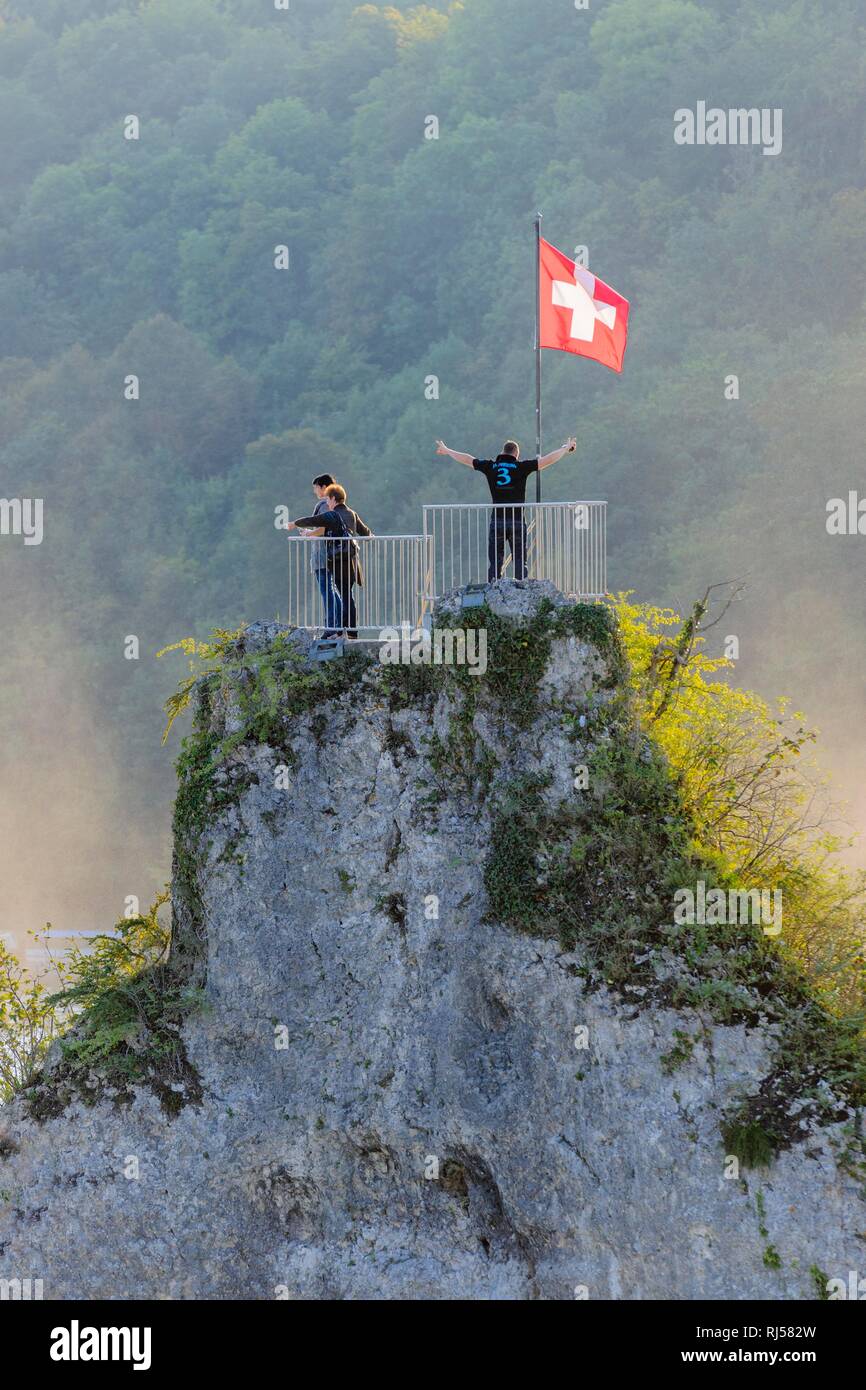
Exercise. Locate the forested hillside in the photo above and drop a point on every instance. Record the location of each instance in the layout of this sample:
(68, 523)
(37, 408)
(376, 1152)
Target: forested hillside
(409, 257)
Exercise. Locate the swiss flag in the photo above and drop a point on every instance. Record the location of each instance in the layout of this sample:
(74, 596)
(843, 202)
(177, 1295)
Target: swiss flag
(578, 312)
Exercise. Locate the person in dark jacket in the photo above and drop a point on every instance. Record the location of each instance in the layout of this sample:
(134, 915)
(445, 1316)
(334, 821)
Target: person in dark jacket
(338, 525)
(319, 559)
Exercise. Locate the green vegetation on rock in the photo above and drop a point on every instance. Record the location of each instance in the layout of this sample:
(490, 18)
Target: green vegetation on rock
(124, 1003)
(597, 870)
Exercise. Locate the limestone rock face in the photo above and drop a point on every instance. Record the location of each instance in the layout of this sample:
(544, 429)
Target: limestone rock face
(393, 1104)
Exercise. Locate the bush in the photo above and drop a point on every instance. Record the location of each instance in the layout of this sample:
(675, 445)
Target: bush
(759, 808)
(117, 1019)
(28, 1025)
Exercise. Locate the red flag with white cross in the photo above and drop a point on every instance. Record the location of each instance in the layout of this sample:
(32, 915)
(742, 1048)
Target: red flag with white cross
(578, 312)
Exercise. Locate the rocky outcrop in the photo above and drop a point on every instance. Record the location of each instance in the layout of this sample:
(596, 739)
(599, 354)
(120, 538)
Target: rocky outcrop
(397, 1088)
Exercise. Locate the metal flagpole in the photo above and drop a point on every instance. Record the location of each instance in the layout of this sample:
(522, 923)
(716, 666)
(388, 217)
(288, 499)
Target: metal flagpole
(538, 351)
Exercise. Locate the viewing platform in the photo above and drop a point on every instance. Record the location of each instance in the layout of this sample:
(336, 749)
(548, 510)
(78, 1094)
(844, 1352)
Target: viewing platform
(461, 544)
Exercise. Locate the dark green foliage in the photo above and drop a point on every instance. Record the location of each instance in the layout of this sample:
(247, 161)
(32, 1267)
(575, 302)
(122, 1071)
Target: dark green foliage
(126, 1002)
(279, 685)
(749, 1142)
(515, 890)
(598, 870)
(680, 1053)
(398, 744)
(410, 685)
(820, 1281)
(272, 689)
(130, 1034)
(518, 652)
(461, 762)
(517, 656)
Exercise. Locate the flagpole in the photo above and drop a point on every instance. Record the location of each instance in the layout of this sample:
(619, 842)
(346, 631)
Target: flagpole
(538, 352)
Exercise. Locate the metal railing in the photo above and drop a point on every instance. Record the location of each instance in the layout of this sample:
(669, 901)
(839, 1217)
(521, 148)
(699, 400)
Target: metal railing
(379, 582)
(472, 543)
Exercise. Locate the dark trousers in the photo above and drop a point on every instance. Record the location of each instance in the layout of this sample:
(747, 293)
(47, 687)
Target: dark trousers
(506, 525)
(331, 600)
(342, 567)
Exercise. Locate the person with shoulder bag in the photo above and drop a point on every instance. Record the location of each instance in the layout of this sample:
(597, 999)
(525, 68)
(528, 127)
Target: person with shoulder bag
(339, 525)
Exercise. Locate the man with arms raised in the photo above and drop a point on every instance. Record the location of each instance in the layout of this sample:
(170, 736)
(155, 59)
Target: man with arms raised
(506, 477)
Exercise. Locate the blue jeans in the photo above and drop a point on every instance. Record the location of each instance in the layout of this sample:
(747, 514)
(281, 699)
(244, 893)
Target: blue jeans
(331, 600)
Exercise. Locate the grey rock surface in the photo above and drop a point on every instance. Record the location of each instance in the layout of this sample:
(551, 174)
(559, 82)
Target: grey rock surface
(393, 1103)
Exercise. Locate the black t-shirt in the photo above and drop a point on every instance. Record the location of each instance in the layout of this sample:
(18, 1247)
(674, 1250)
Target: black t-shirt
(506, 476)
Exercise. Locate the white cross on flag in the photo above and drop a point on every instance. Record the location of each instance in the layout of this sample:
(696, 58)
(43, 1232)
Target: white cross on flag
(579, 312)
